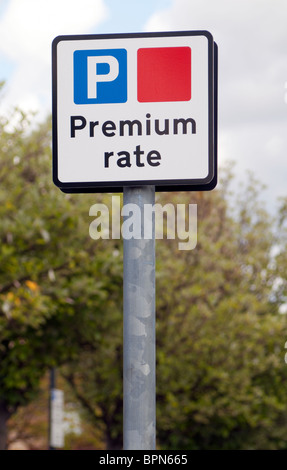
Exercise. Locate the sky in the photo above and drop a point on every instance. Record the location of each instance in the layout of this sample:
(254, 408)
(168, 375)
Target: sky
(252, 43)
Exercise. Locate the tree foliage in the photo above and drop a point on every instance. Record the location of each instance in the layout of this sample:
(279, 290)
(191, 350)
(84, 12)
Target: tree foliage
(50, 275)
(221, 376)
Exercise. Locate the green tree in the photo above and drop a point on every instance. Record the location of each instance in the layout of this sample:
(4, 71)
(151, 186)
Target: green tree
(220, 340)
(221, 371)
(221, 374)
(50, 275)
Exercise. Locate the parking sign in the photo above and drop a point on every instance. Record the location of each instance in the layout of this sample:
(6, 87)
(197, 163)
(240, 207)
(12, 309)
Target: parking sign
(135, 109)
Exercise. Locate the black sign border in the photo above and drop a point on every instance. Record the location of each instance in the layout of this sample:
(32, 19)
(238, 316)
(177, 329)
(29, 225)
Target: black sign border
(206, 184)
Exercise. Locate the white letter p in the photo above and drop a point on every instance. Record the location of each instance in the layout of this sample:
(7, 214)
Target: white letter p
(94, 78)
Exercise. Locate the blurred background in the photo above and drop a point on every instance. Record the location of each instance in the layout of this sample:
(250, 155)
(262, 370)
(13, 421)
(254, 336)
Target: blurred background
(221, 308)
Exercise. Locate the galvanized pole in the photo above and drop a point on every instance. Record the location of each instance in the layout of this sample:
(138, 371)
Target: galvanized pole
(139, 329)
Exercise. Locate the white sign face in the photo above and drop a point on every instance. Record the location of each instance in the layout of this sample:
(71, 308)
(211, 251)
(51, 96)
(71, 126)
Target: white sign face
(134, 109)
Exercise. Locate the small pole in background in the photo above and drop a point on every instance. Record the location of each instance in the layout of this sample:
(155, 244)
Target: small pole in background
(52, 386)
(56, 407)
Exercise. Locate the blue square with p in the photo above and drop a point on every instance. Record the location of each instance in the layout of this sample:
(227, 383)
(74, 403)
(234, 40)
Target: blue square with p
(100, 76)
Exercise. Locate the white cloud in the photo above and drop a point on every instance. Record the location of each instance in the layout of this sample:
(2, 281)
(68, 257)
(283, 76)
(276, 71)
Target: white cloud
(252, 42)
(27, 29)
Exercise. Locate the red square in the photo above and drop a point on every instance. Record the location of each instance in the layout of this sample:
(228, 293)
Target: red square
(164, 74)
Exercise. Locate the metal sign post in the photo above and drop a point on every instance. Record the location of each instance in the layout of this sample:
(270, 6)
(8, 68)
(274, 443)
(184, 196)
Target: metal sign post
(139, 329)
